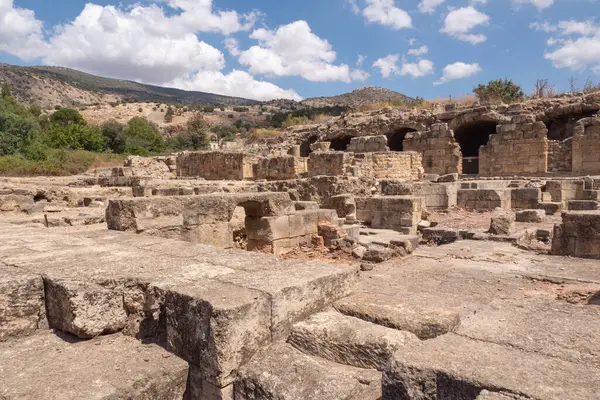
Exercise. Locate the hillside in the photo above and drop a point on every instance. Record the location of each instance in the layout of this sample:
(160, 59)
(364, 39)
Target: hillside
(57, 86)
(357, 98)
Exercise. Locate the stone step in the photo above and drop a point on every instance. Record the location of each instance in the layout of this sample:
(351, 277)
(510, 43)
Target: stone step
(48, 366)
(348, 340)
(550, 207)
(284, 373)
(390, 312)
(592, 195)
(582, 205)
(455, 367)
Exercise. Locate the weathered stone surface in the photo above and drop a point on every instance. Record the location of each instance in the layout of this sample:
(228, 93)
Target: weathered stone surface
(448, 178)
(348, 340)
(426, 323)
(298, 289)
(502, 224)
(452, 366)
(201, 389)
(530, 216)
(84, 309)
(282, 372)
(110, 367)
(578, 235)
(22, 308)
(216, 326)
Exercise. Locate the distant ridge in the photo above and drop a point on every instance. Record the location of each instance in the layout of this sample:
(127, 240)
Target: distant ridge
(52, 86)
(356, 98)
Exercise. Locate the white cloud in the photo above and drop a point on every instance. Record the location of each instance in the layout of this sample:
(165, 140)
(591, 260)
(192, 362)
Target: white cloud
(360, 60)
(236, 83)
(539, 4)
(388, 65)
(232, 46)
(419, 51)
(429, 6)
(458, 70)
(294, 50)
(385, 12)
(578, 48)
(459, 22)
(20, 31)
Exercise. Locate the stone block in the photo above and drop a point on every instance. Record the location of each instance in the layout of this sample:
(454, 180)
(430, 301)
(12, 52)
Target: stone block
(284, 373)
(22, 308)
(306, 205)
(84, 309)
(424, 322)
(216, 326)
(268, 229)
(452, 366)
(448, 178)
(201, 389)
(530, 216)
(525, 198)
(348, 340)
(502, 224)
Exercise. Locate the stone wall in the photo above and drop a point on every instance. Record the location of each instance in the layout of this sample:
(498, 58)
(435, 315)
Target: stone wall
(578, 235)
(278, 168)
(328, 163)
(560, 155)
(368, 144)
(438, 148)
(483, 199)
(383, 165)
(518, 148)
(586, 147)
(214, 165)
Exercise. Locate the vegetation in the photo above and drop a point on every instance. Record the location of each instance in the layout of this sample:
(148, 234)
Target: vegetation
(499, 90)
(278, 120)
(241, 109)
(195, 136)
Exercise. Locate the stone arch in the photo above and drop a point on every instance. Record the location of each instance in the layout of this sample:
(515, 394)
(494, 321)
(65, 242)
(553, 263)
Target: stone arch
(561, 121)
(398, 133)
(471, 136)
(305, 149)
(341, 143)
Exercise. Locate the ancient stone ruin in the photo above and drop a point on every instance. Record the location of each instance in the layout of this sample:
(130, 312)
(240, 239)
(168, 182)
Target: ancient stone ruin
(383, 255)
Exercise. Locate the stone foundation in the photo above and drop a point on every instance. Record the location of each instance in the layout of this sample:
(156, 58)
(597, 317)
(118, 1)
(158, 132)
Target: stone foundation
(440, 152)
(578, 235)
(215, 165)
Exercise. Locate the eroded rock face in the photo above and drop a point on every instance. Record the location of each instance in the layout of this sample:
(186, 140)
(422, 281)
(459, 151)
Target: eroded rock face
(85, 310)
(22, 308)
(531, 216)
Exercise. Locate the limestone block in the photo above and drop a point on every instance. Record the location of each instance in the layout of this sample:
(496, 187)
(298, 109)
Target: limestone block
(306, 205)
(525, 198)
(200, 388)
(345, 206)
(424, 322)
(84, 309)
(502, 224)
(448, 178)
(530, 216)
(216, 326)
(268, 229)
(348, 340)
(22, 308)
(13, 202)
(284, 373)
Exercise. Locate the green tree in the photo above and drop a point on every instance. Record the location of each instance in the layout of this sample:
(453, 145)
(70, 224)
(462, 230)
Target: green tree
(169, 115)
(142, 137)
(195, 136)
(501, 89)
(35, 110)
(17, 132)
(74, 137)
(67, 116)
(114, 136)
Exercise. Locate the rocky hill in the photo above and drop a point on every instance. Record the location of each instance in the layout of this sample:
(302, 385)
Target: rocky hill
(56, 86)
(357, 98)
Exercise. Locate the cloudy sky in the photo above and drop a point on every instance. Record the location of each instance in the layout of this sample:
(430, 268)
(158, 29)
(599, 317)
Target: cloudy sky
(264, 49)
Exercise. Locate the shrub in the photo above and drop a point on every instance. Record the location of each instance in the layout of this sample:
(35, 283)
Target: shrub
(35, 110)
(114, 136)
(142, 137)
(74, 137)
(293, 121)
(241, 109)
(67, 116)
(169, 115)
(501, 89)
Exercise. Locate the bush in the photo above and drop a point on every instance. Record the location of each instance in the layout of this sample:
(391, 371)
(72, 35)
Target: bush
(195, 136)
(74, 137)
(169, 115)
(241, 109)
(224, 132)
(35, 110)
(67, 116)
(293, 121)
(499, 90)
(16, 133)
(114, 136)
(142, 137)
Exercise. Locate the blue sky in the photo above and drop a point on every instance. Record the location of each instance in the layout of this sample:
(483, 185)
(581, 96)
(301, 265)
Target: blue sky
(266, 49)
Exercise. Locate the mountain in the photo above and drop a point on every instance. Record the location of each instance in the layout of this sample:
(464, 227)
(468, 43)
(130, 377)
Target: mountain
(57, 86)
(358, 97)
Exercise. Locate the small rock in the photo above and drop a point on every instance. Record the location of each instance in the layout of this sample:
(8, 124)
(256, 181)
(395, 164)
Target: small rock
(367, 267)
(359, 251)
